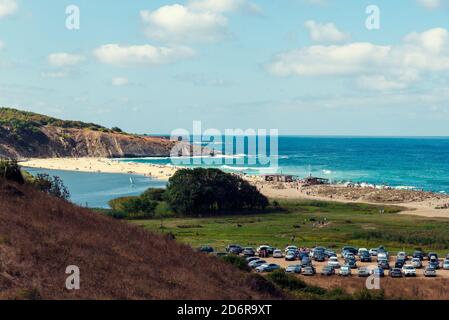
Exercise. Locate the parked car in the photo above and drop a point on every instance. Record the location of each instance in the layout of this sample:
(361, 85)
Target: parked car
(294, 268)
(373, 252)
(256, 263)
(333, 262)
(365, 256)
(268, 267)
(317, 251)
(399, 263)
(206, 249)
(330, 253)
(319, 256)
(305, 261)
(352, 250)
(432, 254)
(327, 271)
(418, 254)
(303, 252)
(378, 272)
(362, 250)
(234, 249)
(250, 259)
(345, 271)
(402, 256)
(363, 272)
(381, 255)
(249, 252)
(383, 264)
(395, 273)
(294, 248)
(446, 264)
(351, 262)
(268, 249)
(409, 270)
(417, 263)
(435, 263)
(430, 272)
(308, 271)
(277, 254)
(290, 256)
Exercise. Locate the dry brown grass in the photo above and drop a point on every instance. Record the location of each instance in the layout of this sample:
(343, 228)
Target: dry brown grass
(40, 236)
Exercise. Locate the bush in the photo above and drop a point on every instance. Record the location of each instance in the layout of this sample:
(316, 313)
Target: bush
(10, 170)
(210, 191)
(155, 194)
(287, 281)
(53, 185)
(236, 261)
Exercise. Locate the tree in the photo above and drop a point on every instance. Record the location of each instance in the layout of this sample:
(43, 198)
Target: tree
(116, 129)
(10, 170)
(210, 191)
(52, 185)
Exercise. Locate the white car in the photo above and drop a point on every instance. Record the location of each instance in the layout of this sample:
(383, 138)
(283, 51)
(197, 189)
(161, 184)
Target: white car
(291, 248)
(382, 256)
(416, 262)
(277, 254)
(345, 271)
(402, 255)
(446, 264)
(333, 262)
(409, 271)
(362, 250)
(373, 252)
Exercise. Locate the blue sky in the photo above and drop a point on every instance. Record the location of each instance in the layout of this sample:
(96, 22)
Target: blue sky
(301, 66)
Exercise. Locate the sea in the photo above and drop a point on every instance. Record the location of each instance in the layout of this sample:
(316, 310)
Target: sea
(399, 162)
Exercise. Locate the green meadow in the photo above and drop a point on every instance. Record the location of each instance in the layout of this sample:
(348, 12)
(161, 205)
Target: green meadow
(312, 223)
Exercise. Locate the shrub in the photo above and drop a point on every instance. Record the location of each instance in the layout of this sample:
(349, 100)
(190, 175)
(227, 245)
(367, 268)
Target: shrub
(210, 191)
(52, 185)
(236, 261)
(10, 170)
(155, 194)
(287, 281)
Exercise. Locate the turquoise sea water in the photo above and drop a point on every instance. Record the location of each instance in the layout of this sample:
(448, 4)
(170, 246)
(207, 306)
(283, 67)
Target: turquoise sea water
(421, 163)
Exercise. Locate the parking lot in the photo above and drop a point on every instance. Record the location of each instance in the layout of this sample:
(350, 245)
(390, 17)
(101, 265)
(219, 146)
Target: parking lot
(370, 265)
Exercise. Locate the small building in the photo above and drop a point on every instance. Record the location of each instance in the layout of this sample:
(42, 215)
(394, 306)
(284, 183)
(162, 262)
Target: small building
(314, 181)
(278, 178)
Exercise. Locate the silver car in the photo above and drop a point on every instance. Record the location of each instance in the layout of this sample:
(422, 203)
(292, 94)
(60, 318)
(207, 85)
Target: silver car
(295, 268)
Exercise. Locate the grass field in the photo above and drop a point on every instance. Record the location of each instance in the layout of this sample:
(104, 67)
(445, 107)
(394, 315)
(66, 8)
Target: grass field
(360, 225)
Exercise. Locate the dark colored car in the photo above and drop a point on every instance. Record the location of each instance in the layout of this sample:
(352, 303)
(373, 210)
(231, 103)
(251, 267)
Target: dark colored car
(319, 256)
(249, 252)
(351, 263)
(396, 273)
(432, 254)
(365, 257)
(399, 263)
(418, 254)
(234, 248)
(305, 261)
(328, 271)
(434, 263)
(206, 249)
(352, 250)
(308, 271)
(249, 259)
(329, 253)
(383, 264)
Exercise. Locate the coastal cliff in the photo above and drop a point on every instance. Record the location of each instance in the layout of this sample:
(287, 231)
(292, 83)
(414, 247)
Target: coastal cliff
(30, 135)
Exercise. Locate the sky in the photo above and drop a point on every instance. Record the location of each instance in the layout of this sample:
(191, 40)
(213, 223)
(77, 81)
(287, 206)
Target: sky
(304, 67)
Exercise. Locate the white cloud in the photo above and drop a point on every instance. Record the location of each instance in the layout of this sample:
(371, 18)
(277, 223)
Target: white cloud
(119, 81)
(115, 54)
(430, 4)
(325, 32)
(391, 67)
(8, 7)
(62, 59)
(177, 23)
(197, 21)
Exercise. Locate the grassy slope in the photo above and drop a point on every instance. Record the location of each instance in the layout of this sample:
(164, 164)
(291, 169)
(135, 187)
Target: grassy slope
(40, 236)
(348, 224)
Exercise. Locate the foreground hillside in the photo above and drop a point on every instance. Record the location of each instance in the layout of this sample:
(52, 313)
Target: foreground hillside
(40, 236)
(26, 134)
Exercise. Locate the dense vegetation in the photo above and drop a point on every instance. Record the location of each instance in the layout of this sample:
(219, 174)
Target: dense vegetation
(22, 121)
(211, 191)
(52, 185)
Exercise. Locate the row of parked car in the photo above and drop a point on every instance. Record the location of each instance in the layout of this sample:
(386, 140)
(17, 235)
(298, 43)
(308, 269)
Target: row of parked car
(403, 265)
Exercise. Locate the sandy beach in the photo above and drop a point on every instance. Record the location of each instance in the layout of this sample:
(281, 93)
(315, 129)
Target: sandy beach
(101, 165)
(416, 202)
